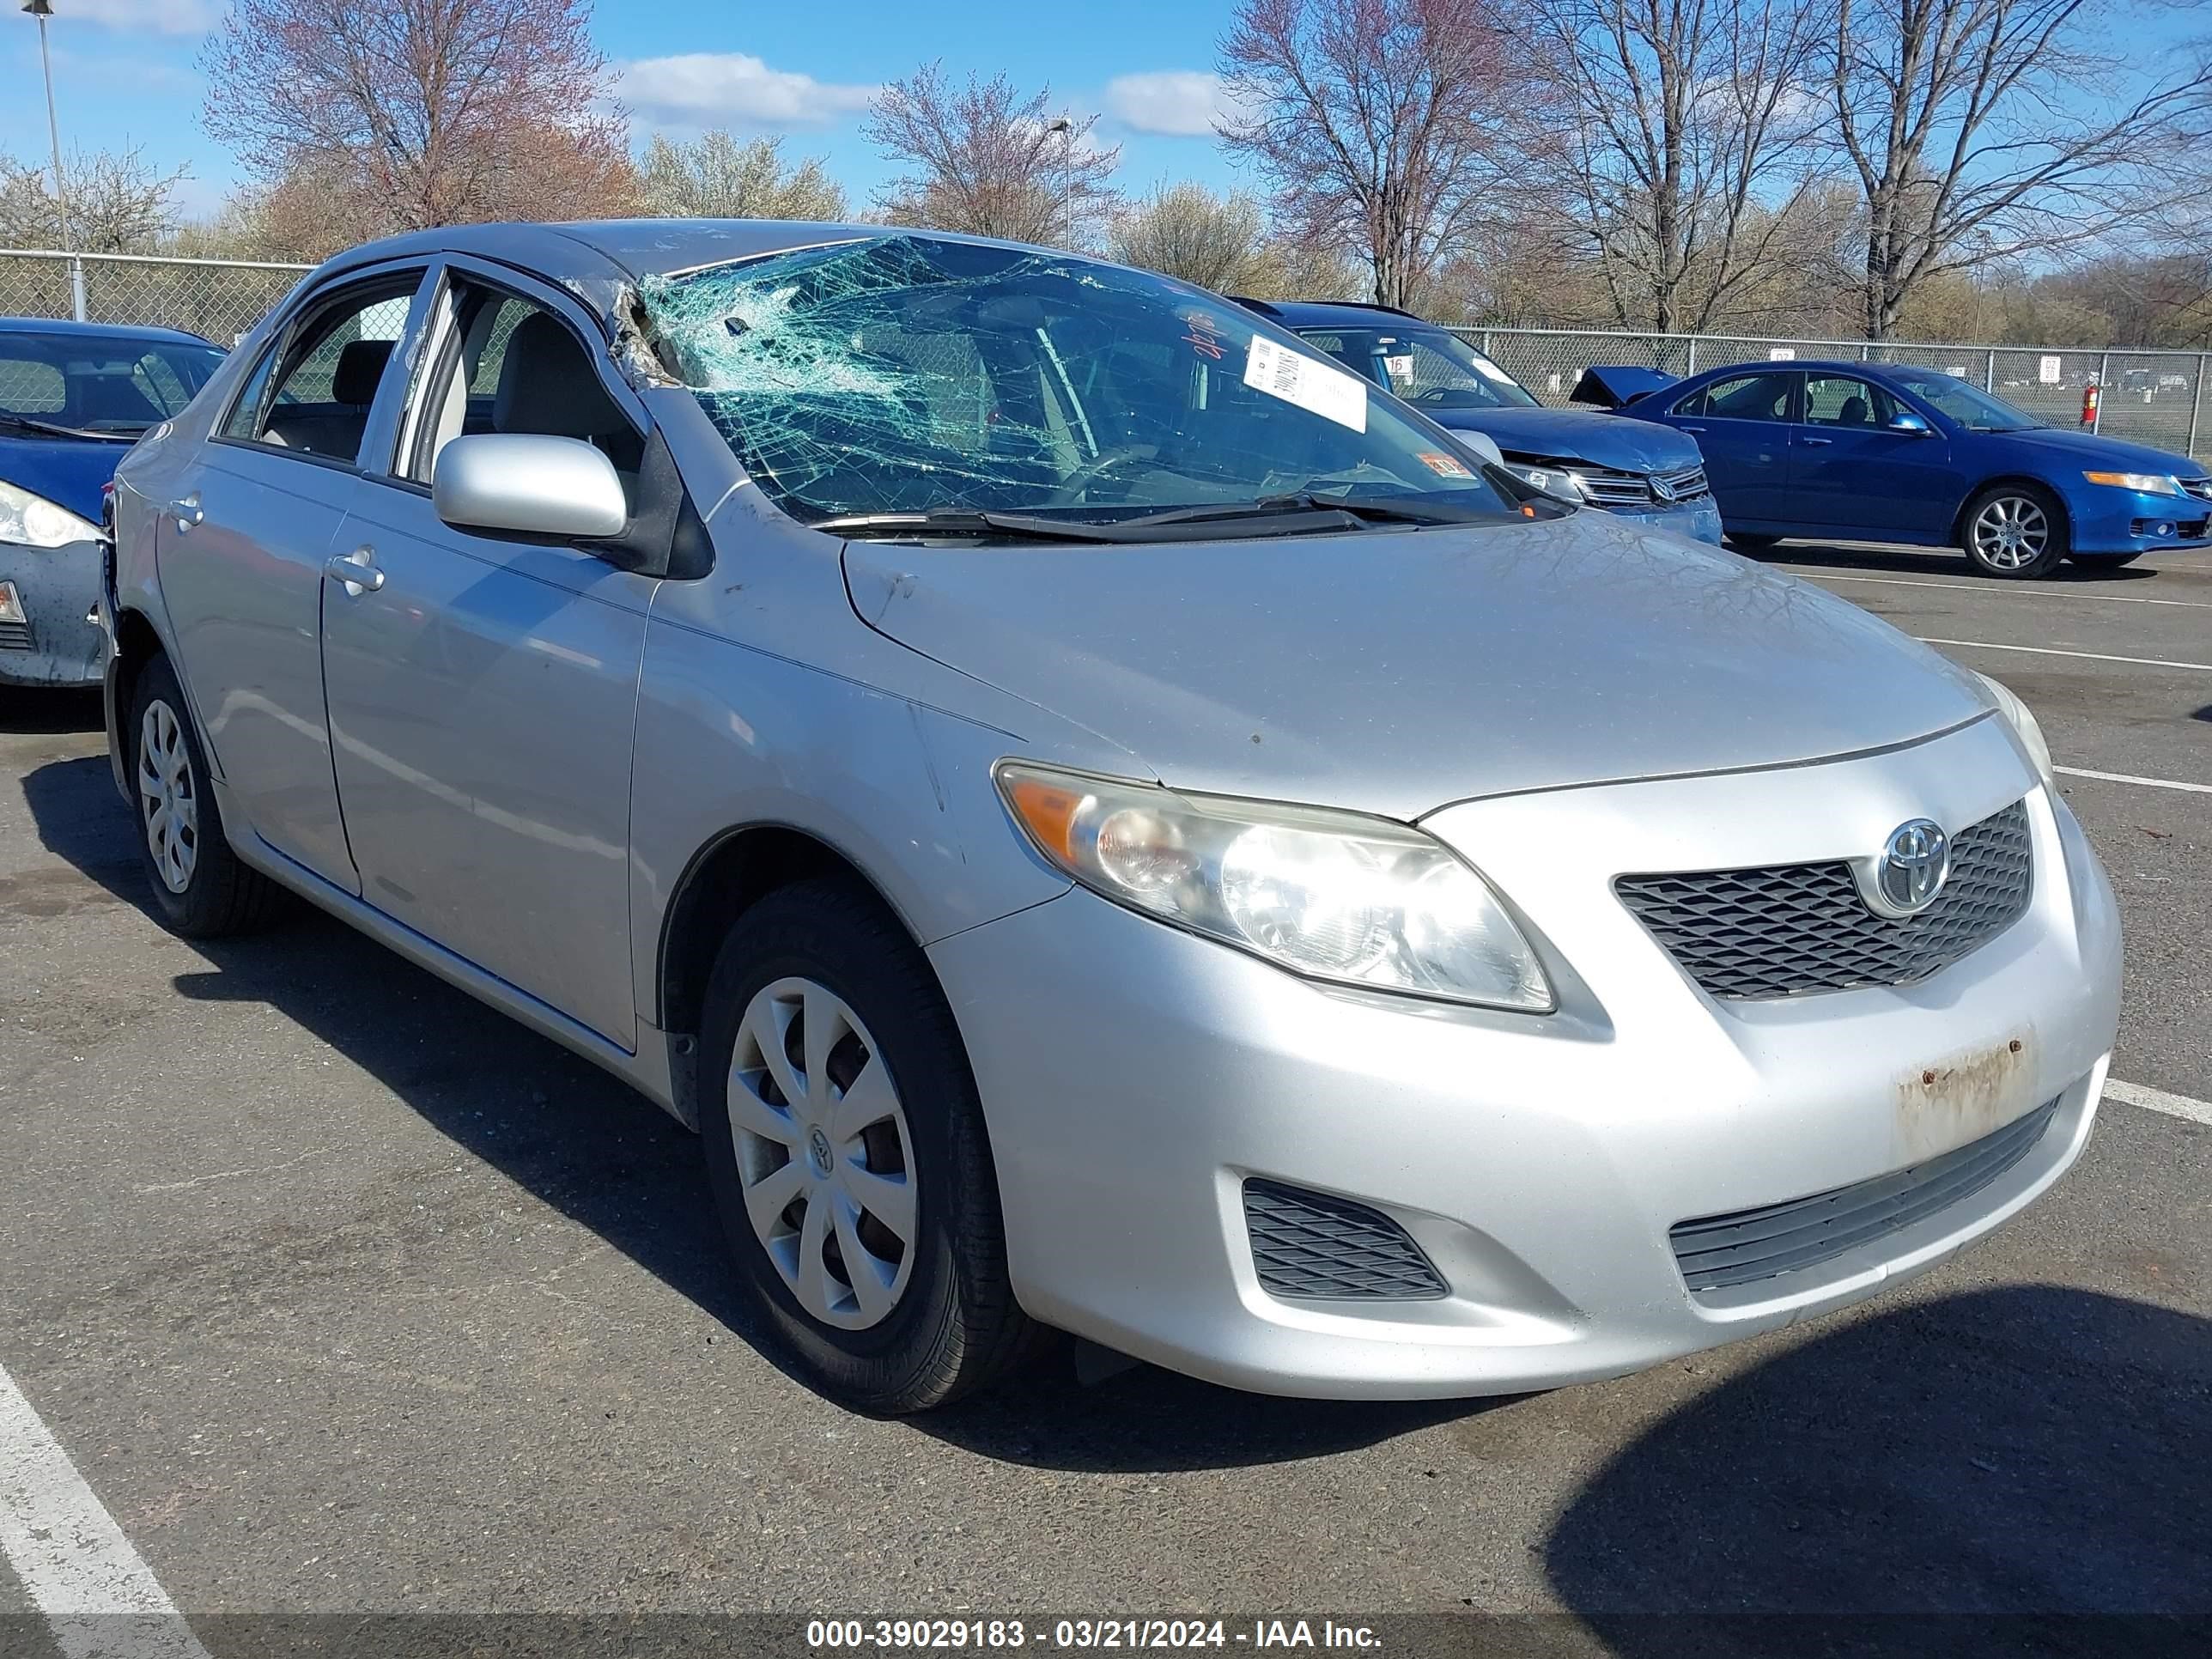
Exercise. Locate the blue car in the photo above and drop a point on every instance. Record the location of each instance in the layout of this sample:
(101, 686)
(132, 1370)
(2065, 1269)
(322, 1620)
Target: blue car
(1622, 467)
(74, 397)
(1874, 451)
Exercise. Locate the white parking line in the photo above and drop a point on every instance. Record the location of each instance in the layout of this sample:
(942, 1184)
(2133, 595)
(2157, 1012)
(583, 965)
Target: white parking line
(2124, 777)
(2157, 1100)
(99, 1598)
(2008, 591)
(2052, 650)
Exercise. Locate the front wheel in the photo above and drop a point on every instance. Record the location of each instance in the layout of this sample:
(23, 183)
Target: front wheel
(201, 889)
(2015, 531)
(846, 1148)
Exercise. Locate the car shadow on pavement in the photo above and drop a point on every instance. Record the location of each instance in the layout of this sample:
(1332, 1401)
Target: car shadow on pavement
(38, 711)
(2027, 1451)
(1934, 562)
(610, 1160)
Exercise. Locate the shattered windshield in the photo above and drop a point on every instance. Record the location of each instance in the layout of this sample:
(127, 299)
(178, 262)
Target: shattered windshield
(904, 375)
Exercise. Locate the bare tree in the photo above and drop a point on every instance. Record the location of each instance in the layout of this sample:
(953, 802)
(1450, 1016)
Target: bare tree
(716, 177)
(986, 159)
(1983, 129)
(1679, 119)
(1393, 126)
(1186, 230)
(119, 203)
(420, 112)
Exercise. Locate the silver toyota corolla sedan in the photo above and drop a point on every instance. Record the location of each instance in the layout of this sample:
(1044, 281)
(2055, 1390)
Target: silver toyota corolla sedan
(1102, 819)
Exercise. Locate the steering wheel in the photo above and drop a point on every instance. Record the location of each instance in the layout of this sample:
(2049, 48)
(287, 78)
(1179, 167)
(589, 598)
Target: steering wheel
(1086, 475)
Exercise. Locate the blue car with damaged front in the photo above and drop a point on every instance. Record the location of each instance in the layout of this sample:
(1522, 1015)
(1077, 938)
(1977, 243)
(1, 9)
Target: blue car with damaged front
(1894, 452)
(74, 397)
(1627, 468)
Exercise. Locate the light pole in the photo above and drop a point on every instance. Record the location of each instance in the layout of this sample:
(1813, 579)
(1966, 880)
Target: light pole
(1066, 129)
(42, 9)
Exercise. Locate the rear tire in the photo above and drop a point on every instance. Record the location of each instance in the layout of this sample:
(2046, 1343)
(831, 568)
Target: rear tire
(2015, 531)
(1751, 546)
(200, 888)
(846, 1148)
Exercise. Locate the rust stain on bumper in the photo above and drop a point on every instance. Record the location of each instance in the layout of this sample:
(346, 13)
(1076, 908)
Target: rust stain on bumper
(1966, 1097)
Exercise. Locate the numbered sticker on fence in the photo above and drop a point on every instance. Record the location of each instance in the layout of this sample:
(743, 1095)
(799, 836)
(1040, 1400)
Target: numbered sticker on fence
(1331, 392)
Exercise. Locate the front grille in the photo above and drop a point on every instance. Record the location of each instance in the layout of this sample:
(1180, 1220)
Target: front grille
(2200, 488)
(1783, 930)
(1745, 1246)
(1633, 491)
(15, 636)
(1308, 1245)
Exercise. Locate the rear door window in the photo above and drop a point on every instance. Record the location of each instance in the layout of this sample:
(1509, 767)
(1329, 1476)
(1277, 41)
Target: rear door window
(1763, 396)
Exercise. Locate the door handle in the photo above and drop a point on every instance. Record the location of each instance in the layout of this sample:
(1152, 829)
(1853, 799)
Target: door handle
(1810, 443)
(356, 571)
(1693, 428)
(186, 513)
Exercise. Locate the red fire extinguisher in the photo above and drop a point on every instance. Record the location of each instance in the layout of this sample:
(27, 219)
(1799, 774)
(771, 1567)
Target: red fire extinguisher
(2089, 395)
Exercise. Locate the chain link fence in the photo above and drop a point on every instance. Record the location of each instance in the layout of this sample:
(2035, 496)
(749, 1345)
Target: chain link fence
(218, 300)
(2156, 397)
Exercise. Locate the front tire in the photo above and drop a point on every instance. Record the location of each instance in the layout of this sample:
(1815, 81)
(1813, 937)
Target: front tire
(200, 888)
(846, 1149)
(2015, 531)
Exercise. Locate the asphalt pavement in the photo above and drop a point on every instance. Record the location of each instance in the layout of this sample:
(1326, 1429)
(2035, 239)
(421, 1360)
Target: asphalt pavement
(349, 1301)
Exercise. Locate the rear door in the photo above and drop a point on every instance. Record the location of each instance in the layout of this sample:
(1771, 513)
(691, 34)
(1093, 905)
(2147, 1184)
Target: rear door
(483, 690)
(241, 556)
(1850, 471)
(1742, 422)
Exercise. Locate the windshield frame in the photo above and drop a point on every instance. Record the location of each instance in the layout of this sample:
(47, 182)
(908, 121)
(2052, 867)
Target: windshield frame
(1160, 360)
(54, 348)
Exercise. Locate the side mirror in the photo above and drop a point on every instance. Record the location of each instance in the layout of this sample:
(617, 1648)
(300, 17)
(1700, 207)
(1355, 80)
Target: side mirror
(1906, 420)
(1480, 445)
(525, 483)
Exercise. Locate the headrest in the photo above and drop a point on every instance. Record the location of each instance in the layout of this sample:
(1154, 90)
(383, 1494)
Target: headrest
(546, 384)
(361, 366)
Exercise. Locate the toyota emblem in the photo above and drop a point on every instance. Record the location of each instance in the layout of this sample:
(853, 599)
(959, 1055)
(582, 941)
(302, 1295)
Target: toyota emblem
(1911, 871)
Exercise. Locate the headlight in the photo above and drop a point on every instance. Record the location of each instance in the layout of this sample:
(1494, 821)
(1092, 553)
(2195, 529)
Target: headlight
(34, 521)
(1332, 895)
(2016, 713)
(2145, 483)
(1552, 480)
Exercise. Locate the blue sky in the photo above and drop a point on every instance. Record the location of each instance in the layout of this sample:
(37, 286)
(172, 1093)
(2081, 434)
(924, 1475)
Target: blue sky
(124, 72)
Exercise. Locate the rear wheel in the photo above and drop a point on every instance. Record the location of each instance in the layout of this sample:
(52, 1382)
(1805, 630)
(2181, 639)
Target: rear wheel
(201, 889)
(846, 1148)
(1752, 546)
(2015, 531)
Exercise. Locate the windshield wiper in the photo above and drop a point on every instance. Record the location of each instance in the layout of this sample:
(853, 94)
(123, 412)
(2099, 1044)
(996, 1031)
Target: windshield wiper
(25, 424)
(1362, 508)
(967, 521)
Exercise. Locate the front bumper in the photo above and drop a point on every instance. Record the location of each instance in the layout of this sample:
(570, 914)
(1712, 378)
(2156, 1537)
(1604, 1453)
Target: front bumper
(1134, 1076)
(55, 644)
(2105, 521)
(1699, 521)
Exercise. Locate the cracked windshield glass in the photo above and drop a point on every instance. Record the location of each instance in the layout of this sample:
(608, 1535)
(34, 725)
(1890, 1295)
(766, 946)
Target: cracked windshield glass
(904, 375)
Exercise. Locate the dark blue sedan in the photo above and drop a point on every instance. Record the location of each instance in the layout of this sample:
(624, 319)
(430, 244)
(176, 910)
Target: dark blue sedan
(1874, 451)
(74, 396)
(1628, 469)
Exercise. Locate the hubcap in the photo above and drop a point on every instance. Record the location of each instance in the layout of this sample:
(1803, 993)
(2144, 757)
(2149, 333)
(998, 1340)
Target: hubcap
(2011, 533)
(823, 1153)
(168, 803)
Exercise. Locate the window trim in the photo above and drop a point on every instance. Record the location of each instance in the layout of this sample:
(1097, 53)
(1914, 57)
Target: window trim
(312, 307)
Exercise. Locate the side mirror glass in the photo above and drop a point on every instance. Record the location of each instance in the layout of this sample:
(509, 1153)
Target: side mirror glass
(1906, 420)
(524, 483)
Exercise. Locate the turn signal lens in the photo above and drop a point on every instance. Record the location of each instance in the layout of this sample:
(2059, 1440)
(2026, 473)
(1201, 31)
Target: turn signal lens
(2145, 483)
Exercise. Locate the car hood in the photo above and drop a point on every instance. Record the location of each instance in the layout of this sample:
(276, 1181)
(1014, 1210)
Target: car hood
(1394, 672)
(1579, 435)
(2108, 454)
(67, 471)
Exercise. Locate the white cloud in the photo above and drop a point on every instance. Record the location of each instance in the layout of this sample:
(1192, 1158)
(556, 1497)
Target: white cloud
(143, 16)
(1182, 103)
(733, 89)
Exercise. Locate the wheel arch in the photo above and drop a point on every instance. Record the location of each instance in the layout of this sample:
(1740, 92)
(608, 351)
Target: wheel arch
(2041, 486)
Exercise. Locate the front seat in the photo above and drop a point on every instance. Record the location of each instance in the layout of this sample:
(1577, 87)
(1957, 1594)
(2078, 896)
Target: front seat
(546, 386)
(1854, 412)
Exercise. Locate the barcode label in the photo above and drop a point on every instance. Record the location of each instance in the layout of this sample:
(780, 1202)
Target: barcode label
(1334, 393)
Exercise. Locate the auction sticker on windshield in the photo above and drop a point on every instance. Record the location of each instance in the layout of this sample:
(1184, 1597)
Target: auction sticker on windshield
(1334, 393)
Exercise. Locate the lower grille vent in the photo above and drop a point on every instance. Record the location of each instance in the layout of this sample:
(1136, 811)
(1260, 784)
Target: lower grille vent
(1308, 1245)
